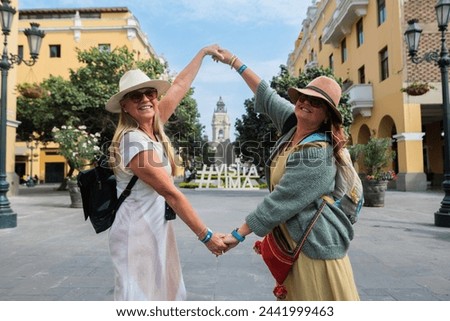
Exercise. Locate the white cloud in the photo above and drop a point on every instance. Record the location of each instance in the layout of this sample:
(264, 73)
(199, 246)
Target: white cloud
(235, 11)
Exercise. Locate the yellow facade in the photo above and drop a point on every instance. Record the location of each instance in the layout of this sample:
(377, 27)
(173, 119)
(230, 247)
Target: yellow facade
(65, 31)
(82, 28)
(368, 32)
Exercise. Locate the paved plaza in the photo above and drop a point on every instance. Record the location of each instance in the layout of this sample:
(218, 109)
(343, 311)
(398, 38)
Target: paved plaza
(54, 255)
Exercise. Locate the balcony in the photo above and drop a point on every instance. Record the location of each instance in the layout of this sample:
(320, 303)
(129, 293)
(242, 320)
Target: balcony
(347, 13)
(361, 99)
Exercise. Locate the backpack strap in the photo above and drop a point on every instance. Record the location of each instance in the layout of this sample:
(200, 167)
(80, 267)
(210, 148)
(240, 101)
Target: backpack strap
(313, 221)
(126, 192)
(320, 138)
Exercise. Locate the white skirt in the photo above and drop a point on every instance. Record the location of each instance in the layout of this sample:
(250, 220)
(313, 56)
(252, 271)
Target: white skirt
(144, 253)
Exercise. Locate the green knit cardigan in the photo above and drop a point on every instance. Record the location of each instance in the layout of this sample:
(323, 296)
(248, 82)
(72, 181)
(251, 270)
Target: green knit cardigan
(309, 174)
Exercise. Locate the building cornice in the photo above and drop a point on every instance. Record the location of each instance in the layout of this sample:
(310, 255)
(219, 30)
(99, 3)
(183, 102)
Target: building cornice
(72, 10)
(409, 137)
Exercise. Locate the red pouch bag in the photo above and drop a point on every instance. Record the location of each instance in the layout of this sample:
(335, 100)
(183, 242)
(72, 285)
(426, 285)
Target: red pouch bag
(278, 255)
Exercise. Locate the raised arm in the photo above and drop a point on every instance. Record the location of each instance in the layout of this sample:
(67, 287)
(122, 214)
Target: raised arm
(183, 82)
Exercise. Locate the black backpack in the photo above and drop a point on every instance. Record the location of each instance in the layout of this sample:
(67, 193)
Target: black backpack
(99, 194)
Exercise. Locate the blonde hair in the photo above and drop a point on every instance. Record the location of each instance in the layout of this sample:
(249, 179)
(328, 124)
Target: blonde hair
(126, 124)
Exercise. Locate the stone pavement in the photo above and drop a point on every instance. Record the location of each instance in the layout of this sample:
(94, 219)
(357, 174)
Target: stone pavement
(54, 255)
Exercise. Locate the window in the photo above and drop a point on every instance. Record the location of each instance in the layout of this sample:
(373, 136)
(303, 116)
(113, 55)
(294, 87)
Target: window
(104, 47)
(312, 56)
(344, 50)
(331, 62)
(320, 43)
(362, 75)
(20, 51)
(381, 11)
(384, 64)
(55, 51)
(359, 33)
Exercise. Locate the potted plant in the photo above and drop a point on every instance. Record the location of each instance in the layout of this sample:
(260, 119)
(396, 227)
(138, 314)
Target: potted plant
(376, 156)
(417, 88)
(79, 148)
(32, 91)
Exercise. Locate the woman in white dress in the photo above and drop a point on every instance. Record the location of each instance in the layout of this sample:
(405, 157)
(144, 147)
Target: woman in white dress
(142, 242)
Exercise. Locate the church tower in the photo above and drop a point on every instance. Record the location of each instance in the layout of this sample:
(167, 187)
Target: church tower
(220, 144)
(220, 123)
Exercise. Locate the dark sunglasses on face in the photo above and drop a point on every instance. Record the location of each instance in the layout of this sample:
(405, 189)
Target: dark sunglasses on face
(137, 95)
(313, 101)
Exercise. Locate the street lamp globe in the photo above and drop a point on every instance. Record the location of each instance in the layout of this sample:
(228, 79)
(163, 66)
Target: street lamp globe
(6, 16)
(34, 36)
(442, 13)
(412, 36)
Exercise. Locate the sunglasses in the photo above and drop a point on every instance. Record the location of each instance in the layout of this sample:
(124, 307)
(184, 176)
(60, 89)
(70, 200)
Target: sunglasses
(313, 101)
(137, 95)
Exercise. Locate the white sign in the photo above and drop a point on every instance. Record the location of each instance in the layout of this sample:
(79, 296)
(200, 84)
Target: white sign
(232, 177)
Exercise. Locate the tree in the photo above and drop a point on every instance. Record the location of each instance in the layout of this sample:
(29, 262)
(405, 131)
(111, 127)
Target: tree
(81, 99)
(256, 135)
(185, 130)
(55, 107)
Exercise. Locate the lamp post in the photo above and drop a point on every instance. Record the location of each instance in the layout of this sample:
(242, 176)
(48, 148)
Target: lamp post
(8, 218)
(31, 145)
(441, 59)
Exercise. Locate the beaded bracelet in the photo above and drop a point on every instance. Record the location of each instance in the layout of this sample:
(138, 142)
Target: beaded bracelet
(241, 69)
(207, 236)
(237, 236)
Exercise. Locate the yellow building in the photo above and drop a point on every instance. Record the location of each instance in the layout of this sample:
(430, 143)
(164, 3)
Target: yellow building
(363, 43)
(66, 30)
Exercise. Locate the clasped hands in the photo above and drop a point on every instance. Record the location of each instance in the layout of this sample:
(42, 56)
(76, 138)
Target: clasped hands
(218, 53)
(221, 243)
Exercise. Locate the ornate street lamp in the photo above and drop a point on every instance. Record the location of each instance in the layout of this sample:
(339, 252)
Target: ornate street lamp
(441, 59)
(8, 218)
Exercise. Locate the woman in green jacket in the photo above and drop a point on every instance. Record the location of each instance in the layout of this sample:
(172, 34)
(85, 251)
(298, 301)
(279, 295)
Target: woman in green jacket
(298, 178)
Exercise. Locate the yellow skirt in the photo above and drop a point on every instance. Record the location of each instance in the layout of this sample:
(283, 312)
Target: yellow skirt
(320, 280)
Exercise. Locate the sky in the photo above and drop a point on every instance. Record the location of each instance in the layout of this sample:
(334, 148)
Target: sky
(261, 33)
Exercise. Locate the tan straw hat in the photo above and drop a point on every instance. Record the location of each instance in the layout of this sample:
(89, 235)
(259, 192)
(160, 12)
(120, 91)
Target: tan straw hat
(322, 87)
(133, 80)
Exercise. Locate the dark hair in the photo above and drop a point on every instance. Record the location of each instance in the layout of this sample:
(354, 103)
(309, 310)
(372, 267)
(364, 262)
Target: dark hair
(339, 140)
